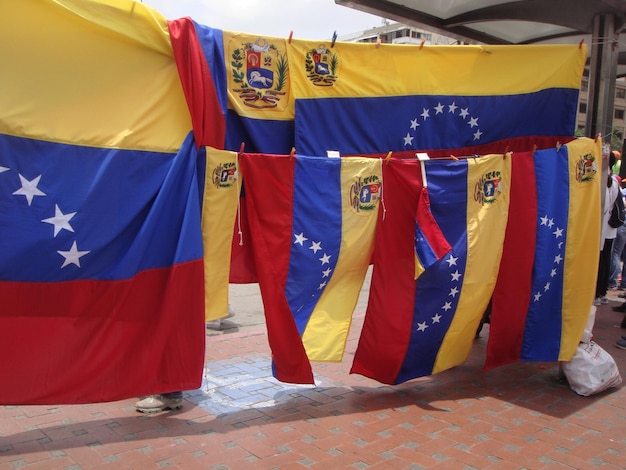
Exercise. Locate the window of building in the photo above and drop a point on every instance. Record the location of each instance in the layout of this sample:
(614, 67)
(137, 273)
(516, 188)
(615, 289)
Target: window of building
(619, 114)
(582, 108)
(620, 93)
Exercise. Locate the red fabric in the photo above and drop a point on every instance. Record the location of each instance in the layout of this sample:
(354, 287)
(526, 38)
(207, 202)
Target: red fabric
(512, 294)
(97, 341)
(429, 227)
(207, 117)
(242, 267)
(262, 177)
(385, 338)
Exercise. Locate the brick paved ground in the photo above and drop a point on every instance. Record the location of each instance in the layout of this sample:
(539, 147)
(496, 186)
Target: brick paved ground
(517, 416)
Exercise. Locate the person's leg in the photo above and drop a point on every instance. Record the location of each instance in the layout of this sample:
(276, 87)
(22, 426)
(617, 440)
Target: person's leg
(616, 257)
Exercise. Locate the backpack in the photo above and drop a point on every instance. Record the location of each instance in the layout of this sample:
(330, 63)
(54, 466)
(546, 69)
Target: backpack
(617, 213)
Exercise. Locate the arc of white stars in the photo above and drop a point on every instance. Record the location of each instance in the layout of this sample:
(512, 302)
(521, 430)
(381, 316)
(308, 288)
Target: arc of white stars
(72, 256)
(60, 220)
(300, 239)
(29, 189)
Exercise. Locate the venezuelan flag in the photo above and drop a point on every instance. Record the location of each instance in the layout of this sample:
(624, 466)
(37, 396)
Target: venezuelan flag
(101, 271)
(461, 100)
(313, 221)
(546, 283)
(420, 327)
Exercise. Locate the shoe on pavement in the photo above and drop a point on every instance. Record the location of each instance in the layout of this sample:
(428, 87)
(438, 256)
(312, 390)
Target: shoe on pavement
(604, 300)
(621, 344)
(214, 324)
(158, 403)
(620, 308)
(596, 302)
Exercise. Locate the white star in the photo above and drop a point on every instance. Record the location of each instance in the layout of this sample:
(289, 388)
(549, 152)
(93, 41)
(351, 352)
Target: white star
(473, 122)
(3, 169)
(453, 292)
(558, 232)
(321, 286)
(325, 259)
(327, 272)
(447, 306)
(550, 223)
(544, 220)
(477, 134)
(73, 256)
(300, 238)
(456, 275)
(546, 288)
(425, 114)
(29, 189)
(60, 220)
(553, 273)
(537, 296)
(436, 318)
(464, 112)
(451, 260)
(452, 107)
(558, 259)
(315, 246)
(414, 124)
(438, 109)
(422, 326)
(408, 139)
(560, 245)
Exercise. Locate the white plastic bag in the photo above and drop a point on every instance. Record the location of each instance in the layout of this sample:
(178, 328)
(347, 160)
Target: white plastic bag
(591, 370)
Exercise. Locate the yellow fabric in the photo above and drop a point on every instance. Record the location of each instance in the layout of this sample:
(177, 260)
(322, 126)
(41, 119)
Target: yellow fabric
(486, 225)
(359, 69)
(274, 102)
(583, 238)
(117, 86)
(326, 332)
(219, 209)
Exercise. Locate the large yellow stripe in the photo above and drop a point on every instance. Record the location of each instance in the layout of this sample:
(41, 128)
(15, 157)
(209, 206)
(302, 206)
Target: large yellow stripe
(219, 208)
(486, 224)
(326, 332)
(583, 239)
(388, 70)
(97, 73)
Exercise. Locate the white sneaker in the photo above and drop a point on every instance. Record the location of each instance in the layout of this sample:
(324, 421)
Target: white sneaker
(596, 302)
(158, 403)
(214, 324)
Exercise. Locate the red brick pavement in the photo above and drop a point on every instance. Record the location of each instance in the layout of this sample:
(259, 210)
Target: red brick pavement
(517, 416)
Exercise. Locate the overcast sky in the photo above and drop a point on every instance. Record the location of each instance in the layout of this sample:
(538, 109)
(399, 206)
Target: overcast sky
(308, 19)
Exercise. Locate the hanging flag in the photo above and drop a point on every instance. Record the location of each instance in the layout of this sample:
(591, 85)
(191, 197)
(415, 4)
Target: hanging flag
(414, 328)
(313, 222)
(101, 268)
(219, 209)
(546, 283)
(459, 100)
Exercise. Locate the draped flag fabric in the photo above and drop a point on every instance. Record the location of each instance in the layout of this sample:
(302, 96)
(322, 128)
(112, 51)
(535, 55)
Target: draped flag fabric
(462, 100)
(414, 328)
(220, 201)
(313, 222)
(549, 265)
(101, 274)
